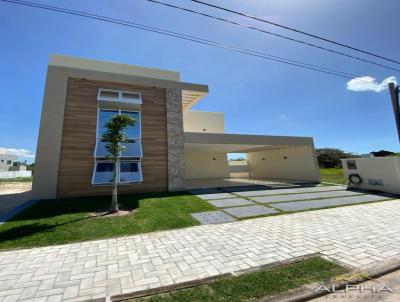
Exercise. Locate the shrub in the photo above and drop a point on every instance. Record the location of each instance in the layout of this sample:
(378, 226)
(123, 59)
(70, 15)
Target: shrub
(330, 157)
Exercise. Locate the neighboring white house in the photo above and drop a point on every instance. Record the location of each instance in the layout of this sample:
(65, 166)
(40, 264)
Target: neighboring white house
(18, 166)
(10, 168)
(6, 161)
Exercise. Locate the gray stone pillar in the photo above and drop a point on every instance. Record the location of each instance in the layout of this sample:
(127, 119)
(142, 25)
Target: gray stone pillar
(176, 161)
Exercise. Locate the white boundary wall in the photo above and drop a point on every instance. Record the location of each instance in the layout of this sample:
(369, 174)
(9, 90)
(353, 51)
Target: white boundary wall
(378, 173)
(15, 174)
(200, 165)
(290, 163)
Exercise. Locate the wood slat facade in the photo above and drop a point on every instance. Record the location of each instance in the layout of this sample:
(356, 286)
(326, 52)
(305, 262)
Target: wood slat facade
(79, 140)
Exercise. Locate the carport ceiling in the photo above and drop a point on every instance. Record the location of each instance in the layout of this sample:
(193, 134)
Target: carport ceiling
(240, 143)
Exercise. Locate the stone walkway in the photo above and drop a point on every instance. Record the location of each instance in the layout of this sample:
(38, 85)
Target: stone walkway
(255, 203)
(357, 236)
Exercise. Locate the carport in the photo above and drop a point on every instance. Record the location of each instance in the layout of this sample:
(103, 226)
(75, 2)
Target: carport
(270, 159)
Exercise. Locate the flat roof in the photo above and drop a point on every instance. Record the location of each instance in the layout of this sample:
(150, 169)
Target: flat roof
(105, 66)
(191, 93)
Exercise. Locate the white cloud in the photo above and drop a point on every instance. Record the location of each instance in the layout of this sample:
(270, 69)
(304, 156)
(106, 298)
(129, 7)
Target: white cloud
(368, 83)
(18, 152)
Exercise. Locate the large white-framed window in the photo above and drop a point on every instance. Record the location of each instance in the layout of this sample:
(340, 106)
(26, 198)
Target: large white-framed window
(111, 103)
(133, 134)
(111, 95)
(130, 171)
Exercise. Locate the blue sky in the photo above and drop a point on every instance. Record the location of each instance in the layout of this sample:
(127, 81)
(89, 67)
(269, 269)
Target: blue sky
(257, 96)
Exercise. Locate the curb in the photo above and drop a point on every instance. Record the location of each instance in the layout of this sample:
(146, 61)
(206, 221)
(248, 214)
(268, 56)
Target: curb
(301, 294)
(307, 292)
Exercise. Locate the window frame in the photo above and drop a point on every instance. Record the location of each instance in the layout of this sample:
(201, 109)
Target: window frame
(120, 98)
(94, 172)
(139, 163)
(121, 156)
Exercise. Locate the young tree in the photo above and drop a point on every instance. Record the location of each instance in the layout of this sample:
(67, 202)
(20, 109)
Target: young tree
(114, 137)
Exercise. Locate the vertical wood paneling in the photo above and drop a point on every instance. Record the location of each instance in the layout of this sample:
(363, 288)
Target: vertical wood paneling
(79, 138)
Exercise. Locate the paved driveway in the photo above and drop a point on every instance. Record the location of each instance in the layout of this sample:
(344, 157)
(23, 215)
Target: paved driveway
(240, 202)
(13, 194)
(357, 236)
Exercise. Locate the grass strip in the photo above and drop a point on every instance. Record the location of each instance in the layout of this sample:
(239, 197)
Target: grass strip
(16, 179)
(253, 285)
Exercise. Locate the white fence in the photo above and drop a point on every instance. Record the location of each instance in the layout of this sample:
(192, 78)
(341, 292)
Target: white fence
(15, 174)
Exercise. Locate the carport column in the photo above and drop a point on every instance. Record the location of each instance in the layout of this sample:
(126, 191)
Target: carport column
(176, 161)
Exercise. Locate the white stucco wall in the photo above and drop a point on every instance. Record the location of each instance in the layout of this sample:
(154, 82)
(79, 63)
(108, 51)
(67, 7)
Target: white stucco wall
(201, 165)
(15, 174)
(202, 121)
(299, 164)
(113, 67)
(375, 170)
(4, 158)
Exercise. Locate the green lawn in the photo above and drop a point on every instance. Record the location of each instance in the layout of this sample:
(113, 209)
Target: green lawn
(17, 179)
(67, 220)
(250, 286)
(333, 175)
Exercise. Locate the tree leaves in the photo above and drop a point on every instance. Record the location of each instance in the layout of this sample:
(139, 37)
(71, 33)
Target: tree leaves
(114, 136)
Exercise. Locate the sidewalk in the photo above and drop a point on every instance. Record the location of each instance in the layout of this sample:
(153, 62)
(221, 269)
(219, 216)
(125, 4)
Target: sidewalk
(357, 236)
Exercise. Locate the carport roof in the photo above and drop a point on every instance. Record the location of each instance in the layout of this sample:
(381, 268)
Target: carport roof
(230, 143)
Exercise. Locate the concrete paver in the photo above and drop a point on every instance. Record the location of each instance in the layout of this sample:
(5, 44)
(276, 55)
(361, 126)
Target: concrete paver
(358, 236)
(328, 202)
(212, 217)
(306, 196)
(291, 191)
(230, 202)
(215, 196)
(249, 211)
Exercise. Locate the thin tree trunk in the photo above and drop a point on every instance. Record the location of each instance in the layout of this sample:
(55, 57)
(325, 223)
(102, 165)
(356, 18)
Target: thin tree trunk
(114, 201)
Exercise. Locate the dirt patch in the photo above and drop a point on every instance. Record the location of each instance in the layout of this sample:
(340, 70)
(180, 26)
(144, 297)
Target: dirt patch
(106, 214)
(14, 187)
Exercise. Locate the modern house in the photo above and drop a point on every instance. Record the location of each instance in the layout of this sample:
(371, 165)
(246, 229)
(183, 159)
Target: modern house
(170, 148)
